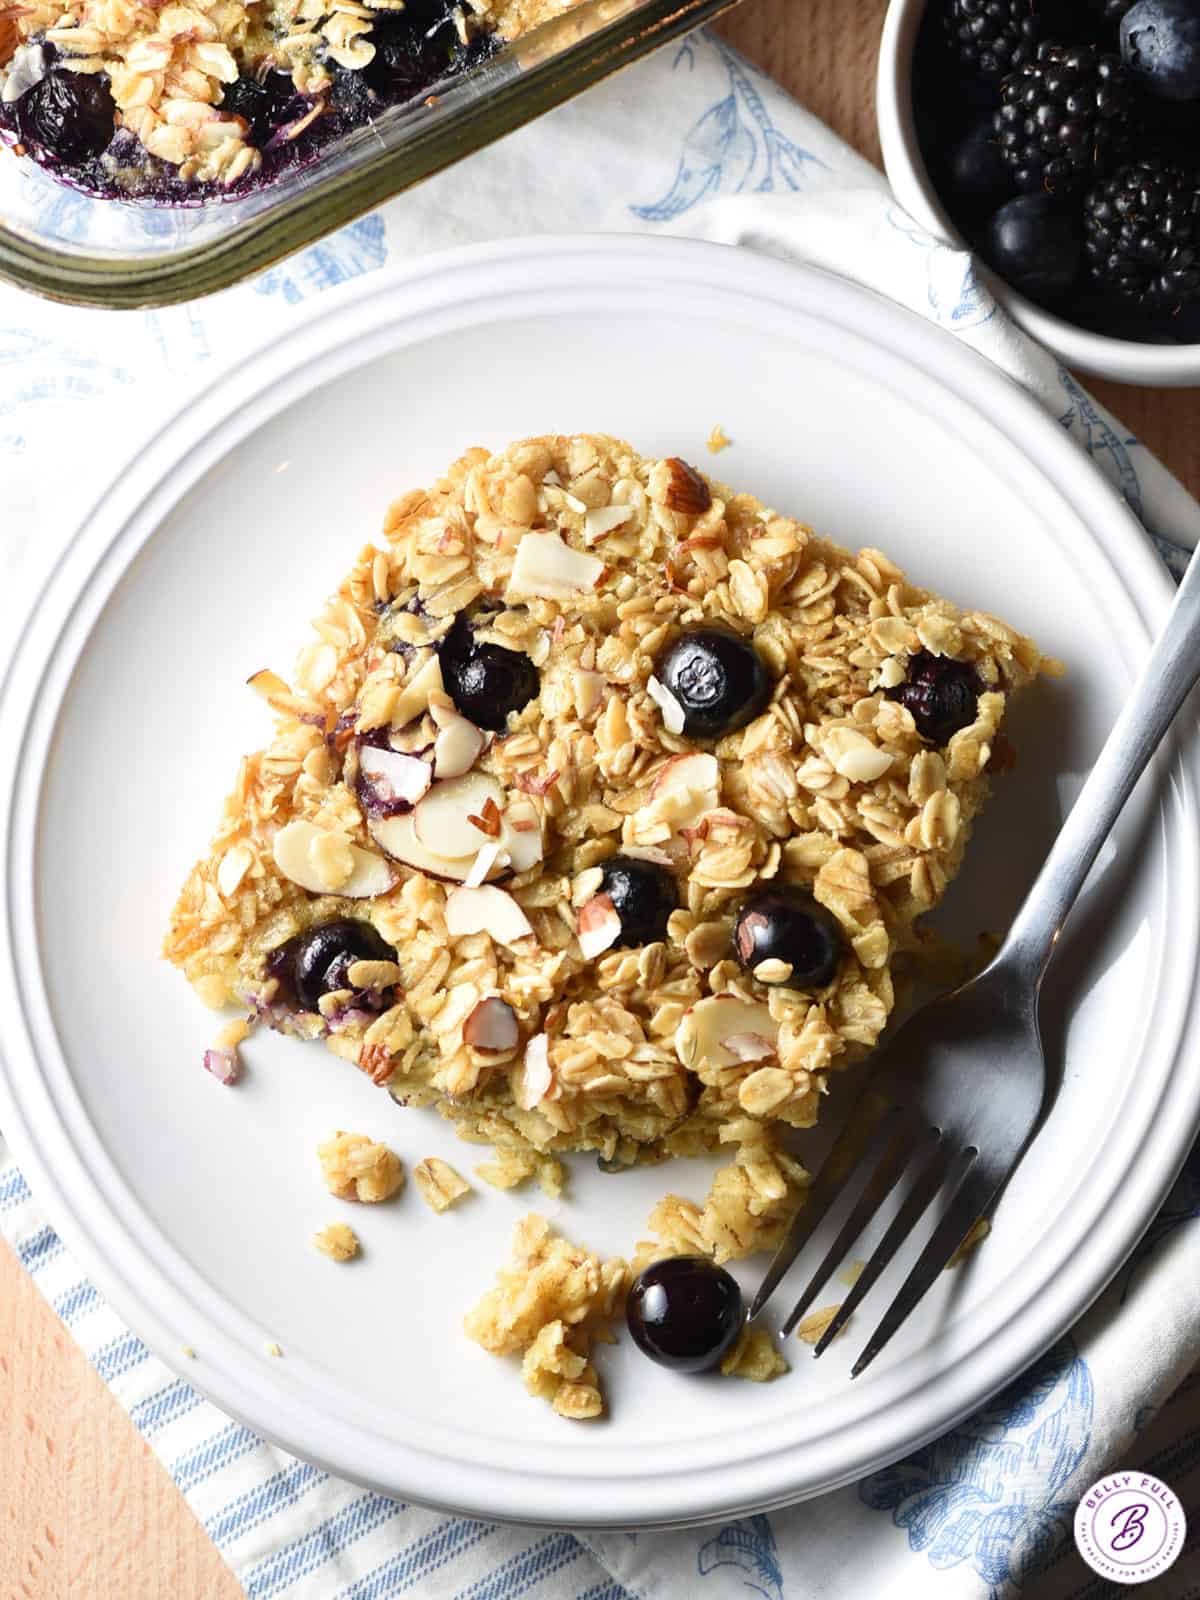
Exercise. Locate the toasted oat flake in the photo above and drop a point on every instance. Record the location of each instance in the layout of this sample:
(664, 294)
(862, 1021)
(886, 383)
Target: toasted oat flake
(438, 1184)
(813, 1327)
(718, 439)
(852, 1272)
(978, 1232)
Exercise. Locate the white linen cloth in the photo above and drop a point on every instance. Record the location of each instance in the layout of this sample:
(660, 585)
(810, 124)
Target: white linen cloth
(693, 141)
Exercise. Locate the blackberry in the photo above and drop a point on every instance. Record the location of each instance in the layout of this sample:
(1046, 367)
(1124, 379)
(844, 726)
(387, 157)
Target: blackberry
(992, 37)
(1142, 234)
(1062, 116)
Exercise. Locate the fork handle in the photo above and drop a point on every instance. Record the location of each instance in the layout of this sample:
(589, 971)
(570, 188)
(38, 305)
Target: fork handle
(1171, 671)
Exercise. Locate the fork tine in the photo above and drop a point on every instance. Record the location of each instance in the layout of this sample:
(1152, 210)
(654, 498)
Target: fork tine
(910, 1213)
(882, 1181)
(828, 1182)
(976, 1192)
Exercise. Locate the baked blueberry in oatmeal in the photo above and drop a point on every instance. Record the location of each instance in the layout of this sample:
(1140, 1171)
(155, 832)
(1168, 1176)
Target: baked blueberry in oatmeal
(485, 861)
(178, 100)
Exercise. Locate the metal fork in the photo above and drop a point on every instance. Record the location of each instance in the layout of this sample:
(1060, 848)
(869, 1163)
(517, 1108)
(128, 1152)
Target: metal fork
(954, 1098)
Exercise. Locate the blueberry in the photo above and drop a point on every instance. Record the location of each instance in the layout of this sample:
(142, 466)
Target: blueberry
(787, 924)
(486, 682)
(317, 962)
(941, 694)
(265, 105)
(1036, 244)
(413, 48)
(1160, 44)
(719, 679)
(685, 1313)
(977, 169)
(70, 114)
(643, 894)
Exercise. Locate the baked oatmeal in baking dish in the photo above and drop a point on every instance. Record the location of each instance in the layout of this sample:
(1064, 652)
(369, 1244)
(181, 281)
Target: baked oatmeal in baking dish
(597, 813)
(178, 100)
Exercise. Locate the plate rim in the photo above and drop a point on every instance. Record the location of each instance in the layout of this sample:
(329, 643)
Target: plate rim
(130, 503)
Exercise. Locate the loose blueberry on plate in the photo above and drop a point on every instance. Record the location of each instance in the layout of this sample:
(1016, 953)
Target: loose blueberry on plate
(643, 894)
(719, 679)
(941, 694)
(787, 924)
(685, 1313)
(486, 682)
(317, 962)
(70, 114)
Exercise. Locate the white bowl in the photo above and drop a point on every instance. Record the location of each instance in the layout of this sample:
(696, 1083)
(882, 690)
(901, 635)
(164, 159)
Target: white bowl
(191, 1206)
(1120, 359)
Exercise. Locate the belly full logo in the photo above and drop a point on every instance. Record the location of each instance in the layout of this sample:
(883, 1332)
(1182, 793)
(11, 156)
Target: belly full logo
(1130, 1527)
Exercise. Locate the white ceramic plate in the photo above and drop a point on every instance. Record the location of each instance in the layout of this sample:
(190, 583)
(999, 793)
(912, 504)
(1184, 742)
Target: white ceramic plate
(192, 1206)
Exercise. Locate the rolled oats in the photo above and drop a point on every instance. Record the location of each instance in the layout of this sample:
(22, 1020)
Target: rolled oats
(356, 1168)
(438, 1183)
(337, 1241)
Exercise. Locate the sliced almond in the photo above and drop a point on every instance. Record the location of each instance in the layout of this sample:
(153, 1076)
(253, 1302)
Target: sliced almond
(599, 926)
(488, 858)
(485, 910)
(397, 836)
(546, 567)
(686, 788)
(442, 820)
(293, 850)
(750, 1047)
(393, 778)
(603, 519)
(458, 746)
(672, 711)
(854, 756)
(413, 700)
(537, 1076)
(492, 1027)
(702, 1038)
(521, 834)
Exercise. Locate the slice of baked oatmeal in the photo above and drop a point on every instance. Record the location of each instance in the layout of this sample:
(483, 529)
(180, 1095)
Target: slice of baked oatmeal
(599, 808)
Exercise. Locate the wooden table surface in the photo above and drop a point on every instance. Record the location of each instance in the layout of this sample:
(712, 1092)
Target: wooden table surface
(85, 1509)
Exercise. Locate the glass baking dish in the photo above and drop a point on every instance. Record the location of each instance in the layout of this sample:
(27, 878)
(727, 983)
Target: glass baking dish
(117, 253)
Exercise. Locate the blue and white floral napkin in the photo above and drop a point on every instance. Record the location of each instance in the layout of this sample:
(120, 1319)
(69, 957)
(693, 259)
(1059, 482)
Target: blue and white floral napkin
(693, 141)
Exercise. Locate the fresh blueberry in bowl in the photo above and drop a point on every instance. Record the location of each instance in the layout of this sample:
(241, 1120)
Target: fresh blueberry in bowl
(718, 678)
(1036, 243)
(317, 962)
(1160, 45)
(487, 682)
(643, 893)
(786, 924)
(685, 1313)
(942, 695)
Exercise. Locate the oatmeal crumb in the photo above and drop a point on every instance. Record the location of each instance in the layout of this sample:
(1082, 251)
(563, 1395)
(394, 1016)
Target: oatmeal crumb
(978, 1233)
(851, 1272)
(438, 1184)
(273, 1349)
(755, 1356)
(718, 439)
(548, 1305)
(814, 1325)
(356, 1168)
(186, 1350)
(337, 1241)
